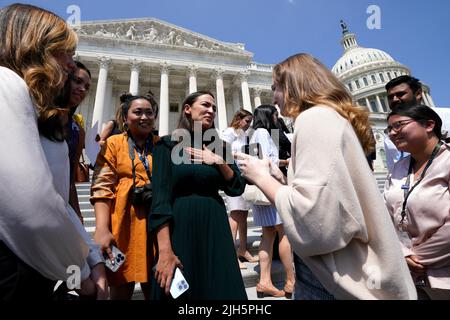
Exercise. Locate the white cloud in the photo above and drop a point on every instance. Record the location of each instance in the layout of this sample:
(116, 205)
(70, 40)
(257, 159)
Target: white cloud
(291, 1)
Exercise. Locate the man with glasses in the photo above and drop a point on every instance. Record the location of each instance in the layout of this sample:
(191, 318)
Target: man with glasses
(403, 90)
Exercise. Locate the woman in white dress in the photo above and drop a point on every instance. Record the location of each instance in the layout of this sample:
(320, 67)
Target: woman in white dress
(56, 153)
(53, 133)
(267, 216)
(237, 137)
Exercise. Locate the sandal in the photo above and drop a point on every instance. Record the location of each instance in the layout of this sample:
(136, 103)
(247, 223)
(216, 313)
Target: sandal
(248, 257)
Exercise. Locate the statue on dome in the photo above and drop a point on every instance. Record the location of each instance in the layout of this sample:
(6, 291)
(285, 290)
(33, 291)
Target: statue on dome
(119, 32)
(344, 27)
(178, 40)
(79, 30)
(104, 33)
(170, 38)
(151, 34)
(131, 33)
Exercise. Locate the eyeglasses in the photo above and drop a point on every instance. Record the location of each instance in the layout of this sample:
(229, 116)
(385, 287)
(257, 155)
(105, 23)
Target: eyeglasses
(397, 126)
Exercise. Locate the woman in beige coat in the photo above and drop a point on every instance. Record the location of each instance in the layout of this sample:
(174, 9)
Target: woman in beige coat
(334, 216)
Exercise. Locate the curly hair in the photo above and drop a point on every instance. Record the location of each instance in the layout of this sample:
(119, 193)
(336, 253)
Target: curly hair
(306, 82)
(30, 40)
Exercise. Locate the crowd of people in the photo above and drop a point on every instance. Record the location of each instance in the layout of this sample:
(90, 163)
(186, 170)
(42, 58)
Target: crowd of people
(158, 199)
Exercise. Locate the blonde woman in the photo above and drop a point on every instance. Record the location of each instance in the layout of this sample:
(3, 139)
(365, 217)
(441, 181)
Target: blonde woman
(236, 136)
(334, 216)
(38, 241)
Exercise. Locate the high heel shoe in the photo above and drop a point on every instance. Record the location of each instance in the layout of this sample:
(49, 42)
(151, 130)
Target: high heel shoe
(288, 290)
(248, 257)
(262, 291)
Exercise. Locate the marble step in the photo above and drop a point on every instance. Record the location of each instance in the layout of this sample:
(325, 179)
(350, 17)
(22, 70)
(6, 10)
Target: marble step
(250, 277)
(253, 234)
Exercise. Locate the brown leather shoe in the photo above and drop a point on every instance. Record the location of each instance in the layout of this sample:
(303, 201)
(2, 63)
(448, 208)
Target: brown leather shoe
(247, 257)
(262, 291)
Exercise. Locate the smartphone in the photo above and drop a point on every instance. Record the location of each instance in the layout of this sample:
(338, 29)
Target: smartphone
(179, 284)
(119, 259)
(254, 150)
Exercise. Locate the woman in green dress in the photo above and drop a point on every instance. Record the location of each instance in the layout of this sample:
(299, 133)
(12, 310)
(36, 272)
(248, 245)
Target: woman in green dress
(188, 215)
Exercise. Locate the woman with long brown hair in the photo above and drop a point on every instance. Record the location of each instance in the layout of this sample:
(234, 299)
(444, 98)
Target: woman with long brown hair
(334, 216)
(236, 135)
(38, 241)
(188, 215)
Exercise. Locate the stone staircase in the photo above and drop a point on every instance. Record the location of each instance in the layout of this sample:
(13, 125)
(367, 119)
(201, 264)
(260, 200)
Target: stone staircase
(380, 177)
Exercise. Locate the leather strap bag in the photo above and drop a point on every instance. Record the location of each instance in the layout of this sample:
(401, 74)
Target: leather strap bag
(82, 171)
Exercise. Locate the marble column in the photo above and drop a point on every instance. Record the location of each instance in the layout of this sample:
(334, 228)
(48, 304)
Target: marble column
(386, 101)
(369, 107)
(378, 163)
(135, 66)
(257, 93)
(247, 104)
(164, 100)
(380, 106)
(236, 101)
(109, 105)
(100, 95)
(192, 74)
(220, 100)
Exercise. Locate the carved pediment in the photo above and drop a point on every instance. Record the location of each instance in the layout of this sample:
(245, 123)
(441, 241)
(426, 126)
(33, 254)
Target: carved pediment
(155, 32)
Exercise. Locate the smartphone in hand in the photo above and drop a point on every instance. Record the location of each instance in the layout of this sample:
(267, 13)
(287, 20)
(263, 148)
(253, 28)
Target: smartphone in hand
(179, 284)
(254, 150)
(119, 259)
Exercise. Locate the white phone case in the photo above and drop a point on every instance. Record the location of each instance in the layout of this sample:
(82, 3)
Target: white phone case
(119, 259)
(178, 285)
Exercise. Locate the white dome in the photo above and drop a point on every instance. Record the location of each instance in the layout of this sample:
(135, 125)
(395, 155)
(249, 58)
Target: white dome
(357, 56)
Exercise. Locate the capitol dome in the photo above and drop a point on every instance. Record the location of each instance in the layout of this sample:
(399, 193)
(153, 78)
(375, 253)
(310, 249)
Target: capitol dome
(365, 72)
(356, 56)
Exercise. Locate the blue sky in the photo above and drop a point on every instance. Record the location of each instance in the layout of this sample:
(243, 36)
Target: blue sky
(413, 32)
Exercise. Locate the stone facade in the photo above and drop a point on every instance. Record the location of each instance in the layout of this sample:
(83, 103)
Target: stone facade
(139, 55)
(148, 54)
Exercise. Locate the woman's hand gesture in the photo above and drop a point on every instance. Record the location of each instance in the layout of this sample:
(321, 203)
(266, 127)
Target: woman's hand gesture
(204, 156)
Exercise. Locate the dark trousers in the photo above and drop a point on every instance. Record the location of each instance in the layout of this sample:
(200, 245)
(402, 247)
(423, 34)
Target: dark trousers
(307, 286)
(18, 281)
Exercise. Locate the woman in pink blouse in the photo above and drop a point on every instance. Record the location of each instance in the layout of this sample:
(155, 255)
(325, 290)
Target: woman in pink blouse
(418, 198)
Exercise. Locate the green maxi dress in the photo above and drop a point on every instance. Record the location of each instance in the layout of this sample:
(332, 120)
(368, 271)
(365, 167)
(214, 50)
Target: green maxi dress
(186, 196)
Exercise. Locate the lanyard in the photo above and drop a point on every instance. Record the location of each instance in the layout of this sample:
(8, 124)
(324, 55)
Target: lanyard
(142, 155)
(406, 190)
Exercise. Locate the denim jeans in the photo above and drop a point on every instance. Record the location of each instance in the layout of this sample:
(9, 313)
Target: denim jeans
(307, 287)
